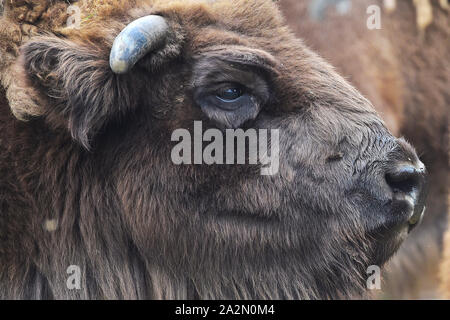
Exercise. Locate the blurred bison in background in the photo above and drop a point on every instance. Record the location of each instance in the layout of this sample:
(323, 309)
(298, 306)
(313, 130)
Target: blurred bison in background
(445, 269)
(87, 181)
(404, 69)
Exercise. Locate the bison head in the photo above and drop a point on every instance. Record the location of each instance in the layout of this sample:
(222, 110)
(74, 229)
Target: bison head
(110, 96)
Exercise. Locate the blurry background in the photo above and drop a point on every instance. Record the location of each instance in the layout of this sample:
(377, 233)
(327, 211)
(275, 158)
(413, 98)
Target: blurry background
(397, 53)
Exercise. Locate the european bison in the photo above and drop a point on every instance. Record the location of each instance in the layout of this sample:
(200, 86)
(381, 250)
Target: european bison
(89, 190)
(404, 70)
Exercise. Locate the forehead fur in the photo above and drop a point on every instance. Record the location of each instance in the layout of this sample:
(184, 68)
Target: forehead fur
(251, 16)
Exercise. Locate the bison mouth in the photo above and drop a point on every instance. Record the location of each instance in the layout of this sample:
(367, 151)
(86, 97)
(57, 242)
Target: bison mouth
(405, 214)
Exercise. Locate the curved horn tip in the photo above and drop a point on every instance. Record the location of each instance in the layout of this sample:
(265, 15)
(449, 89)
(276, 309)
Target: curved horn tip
(136, 40)
(119, 66)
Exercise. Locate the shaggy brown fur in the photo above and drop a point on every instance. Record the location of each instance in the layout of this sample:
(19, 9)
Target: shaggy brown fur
(22, 20)
(405, 72)
(88, 179)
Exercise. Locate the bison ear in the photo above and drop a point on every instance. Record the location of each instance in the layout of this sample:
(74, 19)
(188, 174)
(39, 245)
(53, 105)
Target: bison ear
(85, 85)
(76, 85)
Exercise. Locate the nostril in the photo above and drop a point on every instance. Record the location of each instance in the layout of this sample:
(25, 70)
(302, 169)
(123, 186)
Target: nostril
(405, 179)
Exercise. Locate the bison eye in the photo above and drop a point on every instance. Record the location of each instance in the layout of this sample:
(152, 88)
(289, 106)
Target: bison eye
(230, 94)
(229, 104)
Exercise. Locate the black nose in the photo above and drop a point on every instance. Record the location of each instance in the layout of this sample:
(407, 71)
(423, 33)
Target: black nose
(406, 178)
(407, 182)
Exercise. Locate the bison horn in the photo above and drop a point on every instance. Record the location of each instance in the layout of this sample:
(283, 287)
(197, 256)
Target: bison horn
(136, 40)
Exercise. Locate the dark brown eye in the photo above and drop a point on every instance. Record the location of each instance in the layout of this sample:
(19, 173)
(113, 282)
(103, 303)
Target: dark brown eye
(230, 94)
